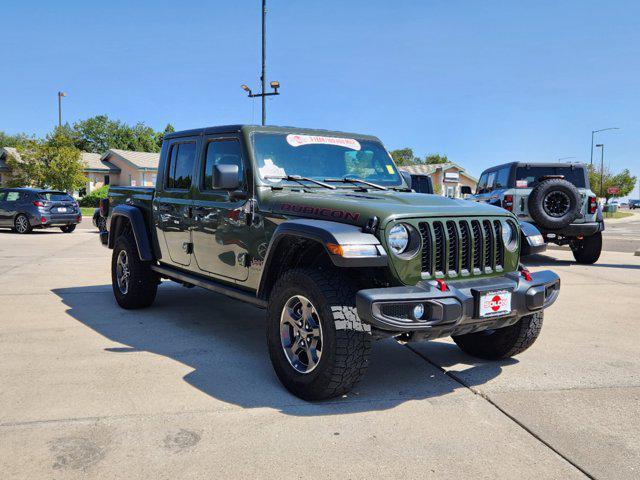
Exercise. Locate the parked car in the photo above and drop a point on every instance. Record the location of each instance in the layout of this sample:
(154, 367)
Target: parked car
(23, 209)
(320, 229)
(99, 221)
(555, 197)
(634, 204)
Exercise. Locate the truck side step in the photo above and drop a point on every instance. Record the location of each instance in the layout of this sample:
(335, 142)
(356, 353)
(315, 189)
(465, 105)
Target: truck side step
(192, 279)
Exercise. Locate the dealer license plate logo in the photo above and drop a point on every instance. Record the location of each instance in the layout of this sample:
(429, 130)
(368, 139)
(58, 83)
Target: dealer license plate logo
(495, 304)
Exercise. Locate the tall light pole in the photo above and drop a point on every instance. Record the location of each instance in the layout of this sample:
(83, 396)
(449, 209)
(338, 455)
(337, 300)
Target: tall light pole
(593, 132)
(601, 168)
(60, 95)
(263, 79)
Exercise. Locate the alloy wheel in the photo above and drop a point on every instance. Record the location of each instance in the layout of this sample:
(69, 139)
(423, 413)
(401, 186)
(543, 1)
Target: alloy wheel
(301, 334)
(123, 272)
(22, 224)
(556, 204)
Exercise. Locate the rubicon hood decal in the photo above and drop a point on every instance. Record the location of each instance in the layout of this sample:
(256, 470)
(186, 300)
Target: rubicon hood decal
(320, 212)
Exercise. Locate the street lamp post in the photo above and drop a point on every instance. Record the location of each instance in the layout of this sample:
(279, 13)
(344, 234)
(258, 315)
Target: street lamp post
(274, 85)
(601, 146)
(60, 95)
(593, 132)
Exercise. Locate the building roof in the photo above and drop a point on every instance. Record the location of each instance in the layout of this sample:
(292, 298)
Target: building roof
(94, 162)
(4, 152)
(431, 168)
(140, 160)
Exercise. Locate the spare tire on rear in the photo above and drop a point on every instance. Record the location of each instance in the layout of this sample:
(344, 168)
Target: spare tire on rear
(554, 203)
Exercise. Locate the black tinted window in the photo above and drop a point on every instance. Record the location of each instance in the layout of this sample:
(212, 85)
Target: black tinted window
(56, 196)
(222, 152)
(421, 184)
(180, 166)
(529, 177)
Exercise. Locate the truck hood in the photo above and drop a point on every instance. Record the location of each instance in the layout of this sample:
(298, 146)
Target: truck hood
(348, 206)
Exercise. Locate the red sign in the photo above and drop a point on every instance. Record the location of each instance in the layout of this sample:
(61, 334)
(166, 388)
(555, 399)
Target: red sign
(613, 190)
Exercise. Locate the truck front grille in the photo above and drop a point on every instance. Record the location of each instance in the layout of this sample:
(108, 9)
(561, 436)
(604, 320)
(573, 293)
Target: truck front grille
(461, 247)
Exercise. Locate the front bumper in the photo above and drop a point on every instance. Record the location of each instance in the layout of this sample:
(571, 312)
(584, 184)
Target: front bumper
(455, 310)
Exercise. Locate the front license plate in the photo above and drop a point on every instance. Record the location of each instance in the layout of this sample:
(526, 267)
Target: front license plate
(62, 210)
(495, 304)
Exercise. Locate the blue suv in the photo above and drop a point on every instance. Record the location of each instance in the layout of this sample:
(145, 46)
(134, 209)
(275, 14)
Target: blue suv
(23, 209)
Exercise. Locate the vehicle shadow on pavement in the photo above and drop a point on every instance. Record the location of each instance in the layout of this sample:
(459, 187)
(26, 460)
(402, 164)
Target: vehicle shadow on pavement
(545, 261)
(223, 341)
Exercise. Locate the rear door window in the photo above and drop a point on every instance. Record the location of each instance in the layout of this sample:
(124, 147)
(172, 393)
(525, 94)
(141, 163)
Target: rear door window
(502, 178)
(13, 196)
(180, 166)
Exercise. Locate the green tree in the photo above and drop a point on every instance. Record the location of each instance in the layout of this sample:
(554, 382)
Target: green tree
(50, 163)
(98, 134)
(623, 180)
(8, 140)
(435, 158)
(160, 135)
(404, 156)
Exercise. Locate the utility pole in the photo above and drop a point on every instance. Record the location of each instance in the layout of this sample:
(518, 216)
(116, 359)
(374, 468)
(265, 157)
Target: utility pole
(60, 95)
(593, 132)
(601, 168)
(263, 71)
(264, 60)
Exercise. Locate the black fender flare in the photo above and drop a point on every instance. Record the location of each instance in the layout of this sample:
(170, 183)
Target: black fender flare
(136, 219)
(324, 232)
(528, 230)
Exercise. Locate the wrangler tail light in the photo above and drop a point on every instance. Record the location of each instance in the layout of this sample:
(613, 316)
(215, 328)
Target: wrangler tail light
(507, 203)
(593, 205)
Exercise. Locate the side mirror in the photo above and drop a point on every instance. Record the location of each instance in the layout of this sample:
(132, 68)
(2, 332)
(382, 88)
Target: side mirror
(465, 190)
(225, 177)
(407, 177)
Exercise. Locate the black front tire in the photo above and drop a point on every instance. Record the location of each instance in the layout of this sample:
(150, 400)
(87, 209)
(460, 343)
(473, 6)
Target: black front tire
(143, 282)
(68, 228)
(346, 342)
(503, 342)
(587, 250)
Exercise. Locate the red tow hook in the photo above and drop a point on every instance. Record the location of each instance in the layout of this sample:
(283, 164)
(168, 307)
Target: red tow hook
(441, 284)
(525, 273)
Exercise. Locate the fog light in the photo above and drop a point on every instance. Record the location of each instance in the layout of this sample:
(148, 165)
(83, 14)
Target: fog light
(418, 311)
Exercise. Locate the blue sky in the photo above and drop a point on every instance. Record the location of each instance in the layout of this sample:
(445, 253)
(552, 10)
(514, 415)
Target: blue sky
(481, 81)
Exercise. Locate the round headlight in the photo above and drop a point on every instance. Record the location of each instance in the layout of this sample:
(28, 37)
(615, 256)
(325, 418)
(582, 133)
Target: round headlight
(398, 238)
(509, 236)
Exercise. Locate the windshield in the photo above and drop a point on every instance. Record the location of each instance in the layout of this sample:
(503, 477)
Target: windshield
(56, 197)
(318, 157)
(529, 177)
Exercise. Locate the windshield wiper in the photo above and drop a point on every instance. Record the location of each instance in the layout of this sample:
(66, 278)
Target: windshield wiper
(355, 180)
(299, 179)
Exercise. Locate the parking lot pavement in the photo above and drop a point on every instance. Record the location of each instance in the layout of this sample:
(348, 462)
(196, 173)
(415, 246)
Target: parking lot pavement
(622, 235)
(185, 389)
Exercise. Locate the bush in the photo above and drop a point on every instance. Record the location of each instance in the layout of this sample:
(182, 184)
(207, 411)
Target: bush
(93, 199)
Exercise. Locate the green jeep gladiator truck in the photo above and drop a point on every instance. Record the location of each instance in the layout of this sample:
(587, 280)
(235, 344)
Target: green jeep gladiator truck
(320, 229)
